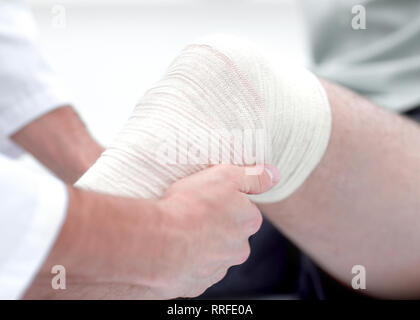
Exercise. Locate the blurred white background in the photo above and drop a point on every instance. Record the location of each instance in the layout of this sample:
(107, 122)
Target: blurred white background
(108, 52)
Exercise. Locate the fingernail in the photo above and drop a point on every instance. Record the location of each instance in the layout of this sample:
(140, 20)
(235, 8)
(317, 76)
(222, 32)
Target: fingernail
(273, 173)
(270, 174)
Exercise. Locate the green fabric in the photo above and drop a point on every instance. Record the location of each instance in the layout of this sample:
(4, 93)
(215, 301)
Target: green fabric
(381, 62)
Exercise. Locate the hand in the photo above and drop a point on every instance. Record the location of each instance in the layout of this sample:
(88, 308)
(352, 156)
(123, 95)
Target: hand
(207, 221)
(120, 248)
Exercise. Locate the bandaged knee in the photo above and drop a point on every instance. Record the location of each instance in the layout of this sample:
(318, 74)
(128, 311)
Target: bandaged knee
(220, 101)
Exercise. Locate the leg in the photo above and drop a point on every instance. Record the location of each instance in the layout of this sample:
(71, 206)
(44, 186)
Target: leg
(361, 204)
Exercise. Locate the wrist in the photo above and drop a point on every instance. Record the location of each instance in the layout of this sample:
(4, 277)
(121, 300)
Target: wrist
(105, 243)
(110, 239)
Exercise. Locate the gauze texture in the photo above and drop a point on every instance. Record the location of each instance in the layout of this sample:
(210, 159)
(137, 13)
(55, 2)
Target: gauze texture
(217, 87)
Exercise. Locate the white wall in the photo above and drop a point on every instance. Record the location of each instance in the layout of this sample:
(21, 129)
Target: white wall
(109, 54)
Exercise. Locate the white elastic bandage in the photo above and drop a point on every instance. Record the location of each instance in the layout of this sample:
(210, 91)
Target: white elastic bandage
(216, 88)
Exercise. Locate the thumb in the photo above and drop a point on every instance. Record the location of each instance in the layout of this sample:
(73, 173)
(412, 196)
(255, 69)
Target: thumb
(254, 184)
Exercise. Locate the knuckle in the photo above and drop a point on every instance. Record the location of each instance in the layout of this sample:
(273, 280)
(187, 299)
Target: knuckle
(218, 277)
(254, 220)
(258, 220)
(245, 253)
(228, 173)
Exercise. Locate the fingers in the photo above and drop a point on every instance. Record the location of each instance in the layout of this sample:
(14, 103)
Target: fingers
(243, 254)
(254, 184)
(215, 200)
(218, 276)
(248, 183)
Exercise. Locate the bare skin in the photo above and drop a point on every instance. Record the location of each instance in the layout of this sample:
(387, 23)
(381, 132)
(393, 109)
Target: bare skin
(361, 205)
(121, 248)
(61, 142)
(178, 246)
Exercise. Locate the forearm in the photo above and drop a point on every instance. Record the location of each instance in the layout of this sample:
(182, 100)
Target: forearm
(97, 245)
(361, 205)
(61, 142)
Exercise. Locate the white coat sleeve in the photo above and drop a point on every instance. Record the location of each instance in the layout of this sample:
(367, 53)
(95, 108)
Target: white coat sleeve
(28, 86)
(32, 210)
